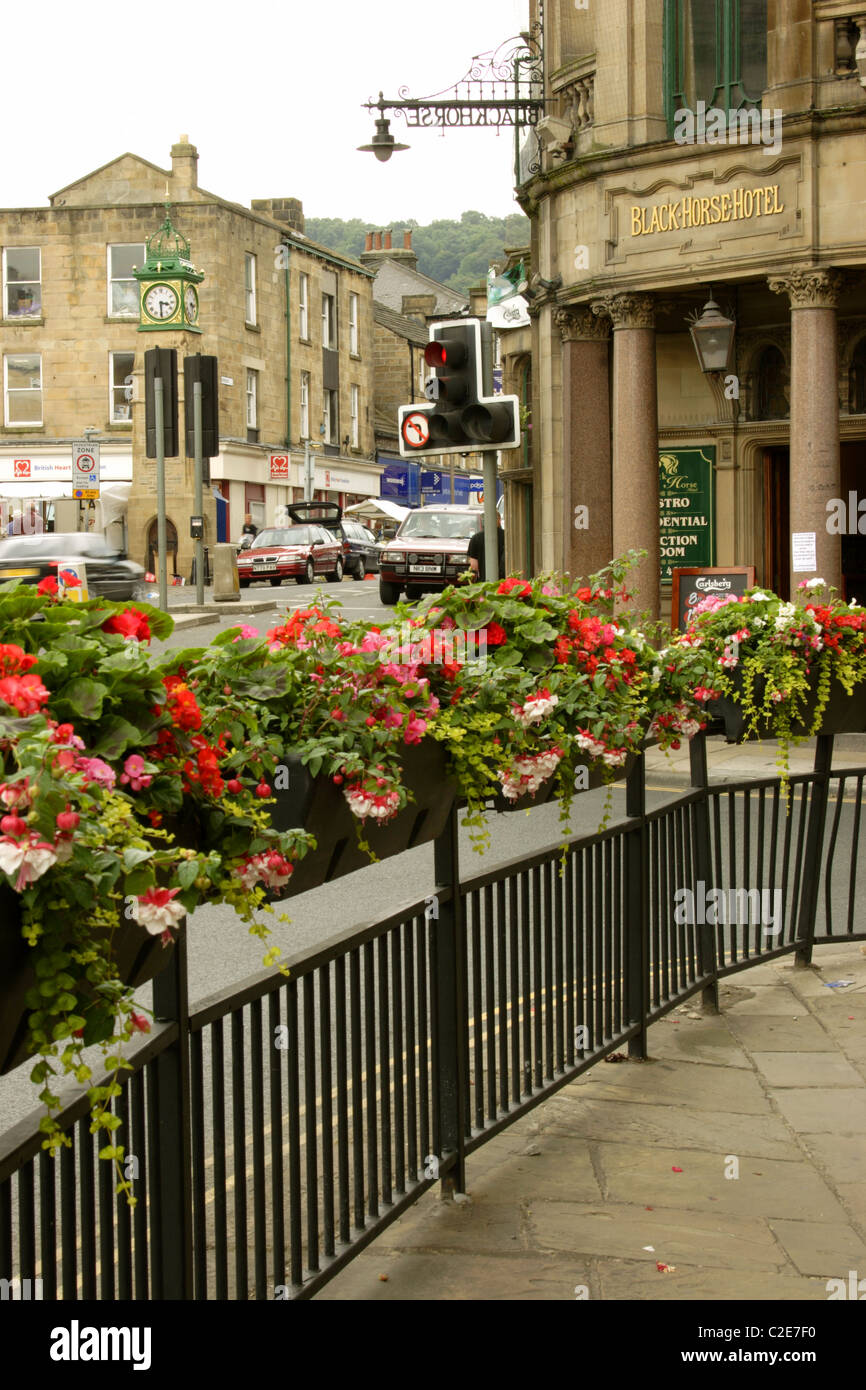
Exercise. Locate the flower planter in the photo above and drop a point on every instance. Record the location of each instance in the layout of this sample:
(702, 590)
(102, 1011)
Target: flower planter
(843, 714)
(139, 957)
(315, 804)
(548, 790)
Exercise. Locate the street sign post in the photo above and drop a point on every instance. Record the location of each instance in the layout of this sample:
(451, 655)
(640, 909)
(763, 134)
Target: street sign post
(85, 469)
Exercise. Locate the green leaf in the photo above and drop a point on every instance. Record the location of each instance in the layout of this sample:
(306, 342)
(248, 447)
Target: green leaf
(187, 873)
(117, 735)
(84, 697)
(138, 881)
(133, 857)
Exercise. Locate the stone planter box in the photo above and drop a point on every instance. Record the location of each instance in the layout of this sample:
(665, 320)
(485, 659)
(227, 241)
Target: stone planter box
(844, 714)
(139, 957)
(315, 804)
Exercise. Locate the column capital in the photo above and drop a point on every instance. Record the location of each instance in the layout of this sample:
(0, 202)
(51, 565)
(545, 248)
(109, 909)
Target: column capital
(578, 323)
(627, 310)
(811, 288)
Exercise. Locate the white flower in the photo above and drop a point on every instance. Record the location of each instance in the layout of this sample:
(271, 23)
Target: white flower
(28, 859)
(815, 584)
(761, 597)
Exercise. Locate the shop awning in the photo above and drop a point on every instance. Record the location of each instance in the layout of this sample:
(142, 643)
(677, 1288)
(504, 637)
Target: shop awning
(377, 506)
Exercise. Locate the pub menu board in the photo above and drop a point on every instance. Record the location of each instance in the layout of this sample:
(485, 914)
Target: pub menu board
(687, 519)
(691, 585)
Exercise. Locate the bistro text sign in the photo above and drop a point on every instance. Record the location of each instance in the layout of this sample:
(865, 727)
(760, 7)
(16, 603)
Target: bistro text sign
(686, 212)
(686, 508)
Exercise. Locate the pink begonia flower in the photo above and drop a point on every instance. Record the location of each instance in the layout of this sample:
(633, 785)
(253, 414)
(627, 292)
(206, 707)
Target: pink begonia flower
(347, 649)
(551, 589)
(134, 773)
(393, 719)
(374, 641)
(246, 632)
(157, 911)
(29, 859)
(95, 770)
(415, 730)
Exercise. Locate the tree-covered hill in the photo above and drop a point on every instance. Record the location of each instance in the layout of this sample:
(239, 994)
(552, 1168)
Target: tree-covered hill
(455, 253)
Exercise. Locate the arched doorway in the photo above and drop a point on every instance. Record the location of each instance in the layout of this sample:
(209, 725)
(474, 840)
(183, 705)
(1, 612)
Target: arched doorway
(153, 546)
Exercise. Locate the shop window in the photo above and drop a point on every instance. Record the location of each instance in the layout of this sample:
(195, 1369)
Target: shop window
(771, 397)
(122, 285)
(22, 282)
(715, 51)
(120, 387)
(857, 380)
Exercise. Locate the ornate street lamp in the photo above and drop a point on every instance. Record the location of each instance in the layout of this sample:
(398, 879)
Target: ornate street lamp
(713, 337)
(383, 144)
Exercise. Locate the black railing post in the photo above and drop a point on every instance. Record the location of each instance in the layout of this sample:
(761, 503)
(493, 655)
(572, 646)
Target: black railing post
(636, 907)
(451, 1022)
(811, 876)
(707, 955)
(170, 1161)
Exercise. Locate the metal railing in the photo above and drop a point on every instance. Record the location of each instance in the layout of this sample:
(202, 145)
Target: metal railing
(276, 1129)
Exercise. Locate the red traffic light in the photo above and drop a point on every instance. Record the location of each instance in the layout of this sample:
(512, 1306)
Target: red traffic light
(436, 354)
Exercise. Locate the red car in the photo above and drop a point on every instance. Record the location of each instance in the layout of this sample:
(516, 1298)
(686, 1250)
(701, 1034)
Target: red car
(428, 552)
(300, 552)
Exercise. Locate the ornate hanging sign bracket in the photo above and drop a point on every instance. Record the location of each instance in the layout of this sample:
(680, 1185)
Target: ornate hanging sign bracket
(501, 89)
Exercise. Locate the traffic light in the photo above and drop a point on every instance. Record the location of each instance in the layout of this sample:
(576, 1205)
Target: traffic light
(204, 369)
(161, 362)
(460, 419)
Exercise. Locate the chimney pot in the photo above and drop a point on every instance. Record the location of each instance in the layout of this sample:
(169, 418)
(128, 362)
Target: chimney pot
(407, 240)
(368, 245)
(388, 241)
(377, 241)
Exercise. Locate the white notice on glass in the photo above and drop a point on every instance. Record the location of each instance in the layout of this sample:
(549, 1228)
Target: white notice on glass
(803, 559)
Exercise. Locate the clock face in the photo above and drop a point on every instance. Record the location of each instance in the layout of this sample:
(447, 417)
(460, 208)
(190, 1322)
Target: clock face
(190, 301)
(160, 302)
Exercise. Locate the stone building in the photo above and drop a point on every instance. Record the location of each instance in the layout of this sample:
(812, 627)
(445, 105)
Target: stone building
(290, 322)
(692, 152)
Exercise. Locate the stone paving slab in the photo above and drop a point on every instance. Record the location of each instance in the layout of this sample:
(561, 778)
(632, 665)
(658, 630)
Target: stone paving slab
(823, 1248)
(562, 1205)
(806, 1069)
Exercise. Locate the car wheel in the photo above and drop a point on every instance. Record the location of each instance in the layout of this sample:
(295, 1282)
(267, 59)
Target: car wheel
(244, 583)
(389, 593)
(414, 592)
(309, 573)
(276, 579)
(336, 575)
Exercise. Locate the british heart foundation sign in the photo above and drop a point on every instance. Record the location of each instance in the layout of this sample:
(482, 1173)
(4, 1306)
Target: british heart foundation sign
(279, 468)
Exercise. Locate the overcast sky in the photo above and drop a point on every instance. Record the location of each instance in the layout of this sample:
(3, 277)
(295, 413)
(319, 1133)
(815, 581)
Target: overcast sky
(270, 92)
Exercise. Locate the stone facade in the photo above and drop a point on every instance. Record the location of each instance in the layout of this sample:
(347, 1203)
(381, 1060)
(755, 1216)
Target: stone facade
(650, 207)
(75, 332)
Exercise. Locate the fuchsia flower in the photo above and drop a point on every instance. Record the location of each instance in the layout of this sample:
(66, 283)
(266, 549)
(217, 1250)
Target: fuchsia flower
(139, 1023)
(134, 773)
(535, 707)
(270, 868)
(157, 911)
(29, 859)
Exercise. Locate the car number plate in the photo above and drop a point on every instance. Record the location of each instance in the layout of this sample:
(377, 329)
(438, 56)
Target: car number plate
(424, 569)
(270, 565)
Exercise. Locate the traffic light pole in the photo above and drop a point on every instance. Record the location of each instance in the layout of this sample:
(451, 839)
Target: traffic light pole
(199, 499)
(489, 472)
(161, 528)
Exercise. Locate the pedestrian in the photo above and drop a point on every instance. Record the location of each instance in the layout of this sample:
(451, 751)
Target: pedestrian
(249, 528)
(476, 550)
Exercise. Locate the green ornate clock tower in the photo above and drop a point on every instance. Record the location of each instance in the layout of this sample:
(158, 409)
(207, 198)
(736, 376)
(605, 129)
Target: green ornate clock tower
(168, 298)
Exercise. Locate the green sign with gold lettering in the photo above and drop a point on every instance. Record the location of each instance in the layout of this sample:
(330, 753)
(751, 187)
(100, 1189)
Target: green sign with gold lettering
(687, 517)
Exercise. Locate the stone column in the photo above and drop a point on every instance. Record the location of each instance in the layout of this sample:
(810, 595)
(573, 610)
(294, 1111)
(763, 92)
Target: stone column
(635, 493)
(815, 467)
(586, 441)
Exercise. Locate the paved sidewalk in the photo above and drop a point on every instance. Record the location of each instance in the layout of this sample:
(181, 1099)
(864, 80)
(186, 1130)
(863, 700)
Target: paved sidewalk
(632, 1166)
